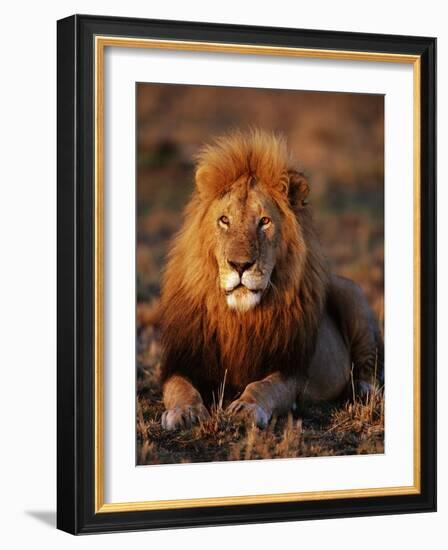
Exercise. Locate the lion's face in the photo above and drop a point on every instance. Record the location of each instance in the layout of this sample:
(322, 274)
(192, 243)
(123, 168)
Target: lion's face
(247, 223)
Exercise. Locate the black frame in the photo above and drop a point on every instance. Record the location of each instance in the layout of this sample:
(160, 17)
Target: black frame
(75, 297)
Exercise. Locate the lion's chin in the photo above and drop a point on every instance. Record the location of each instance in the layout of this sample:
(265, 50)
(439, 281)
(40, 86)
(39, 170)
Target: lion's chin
(243, 299)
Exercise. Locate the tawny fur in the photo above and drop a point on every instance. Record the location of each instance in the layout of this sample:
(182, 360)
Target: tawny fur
(202, 338)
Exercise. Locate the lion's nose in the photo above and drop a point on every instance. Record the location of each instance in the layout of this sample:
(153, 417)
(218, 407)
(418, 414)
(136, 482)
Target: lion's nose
(240, 267)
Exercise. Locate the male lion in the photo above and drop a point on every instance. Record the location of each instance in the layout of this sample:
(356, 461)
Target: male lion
(247, 295)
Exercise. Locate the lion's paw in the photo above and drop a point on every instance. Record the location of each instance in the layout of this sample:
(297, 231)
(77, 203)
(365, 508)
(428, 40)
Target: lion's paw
(250, 412)
(364, 389)
(184, 417)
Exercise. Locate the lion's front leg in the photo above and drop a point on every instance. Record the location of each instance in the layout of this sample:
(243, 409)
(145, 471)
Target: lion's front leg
(261, 400)
(183, 403)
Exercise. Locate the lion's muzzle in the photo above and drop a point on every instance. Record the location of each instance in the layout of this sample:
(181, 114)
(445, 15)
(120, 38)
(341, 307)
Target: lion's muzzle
(243, 285)
(240, 267)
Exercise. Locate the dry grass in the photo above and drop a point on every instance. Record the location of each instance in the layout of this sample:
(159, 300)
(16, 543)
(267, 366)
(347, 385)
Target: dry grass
(352, 427)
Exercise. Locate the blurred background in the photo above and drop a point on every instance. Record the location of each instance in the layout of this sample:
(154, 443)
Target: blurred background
(336, 138)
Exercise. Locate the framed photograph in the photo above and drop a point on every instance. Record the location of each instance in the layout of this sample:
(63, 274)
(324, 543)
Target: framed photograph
(246, 274)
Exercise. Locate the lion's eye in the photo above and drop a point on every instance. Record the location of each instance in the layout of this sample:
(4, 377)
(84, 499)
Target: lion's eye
(224, 220)
(265, 221)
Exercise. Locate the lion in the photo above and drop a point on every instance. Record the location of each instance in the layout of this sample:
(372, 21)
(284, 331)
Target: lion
(247, 296)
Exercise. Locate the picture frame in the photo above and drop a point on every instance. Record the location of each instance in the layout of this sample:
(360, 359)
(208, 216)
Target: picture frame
(82, 42)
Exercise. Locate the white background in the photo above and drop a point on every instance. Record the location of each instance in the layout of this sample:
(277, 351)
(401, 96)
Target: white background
(27, 289)
(123, 481)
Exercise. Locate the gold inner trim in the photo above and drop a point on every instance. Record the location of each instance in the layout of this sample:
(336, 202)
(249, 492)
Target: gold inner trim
(253, 499)
(217, 47)
(104, 41)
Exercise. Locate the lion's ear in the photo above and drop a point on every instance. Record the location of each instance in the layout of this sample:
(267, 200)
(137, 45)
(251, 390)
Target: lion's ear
(208, 184)
(202, 183)
(298, 188)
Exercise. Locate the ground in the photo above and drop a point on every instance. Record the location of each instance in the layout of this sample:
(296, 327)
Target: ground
(352, 426)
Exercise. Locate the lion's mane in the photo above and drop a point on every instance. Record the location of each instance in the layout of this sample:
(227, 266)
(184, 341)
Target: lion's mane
(201, 337)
